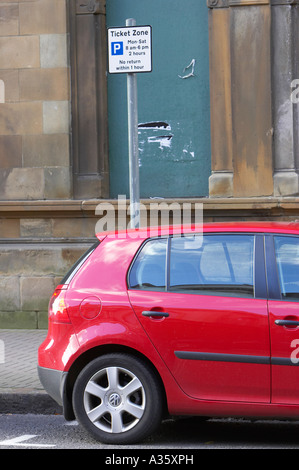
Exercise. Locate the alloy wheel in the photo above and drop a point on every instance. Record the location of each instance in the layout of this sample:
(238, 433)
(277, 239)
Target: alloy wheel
(114, 399)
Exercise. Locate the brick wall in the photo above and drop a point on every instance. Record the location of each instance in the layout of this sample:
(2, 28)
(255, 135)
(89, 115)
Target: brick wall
(35, 107)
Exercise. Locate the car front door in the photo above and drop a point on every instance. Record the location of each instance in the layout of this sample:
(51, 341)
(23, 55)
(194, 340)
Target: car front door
(202, 302)
(282, 254)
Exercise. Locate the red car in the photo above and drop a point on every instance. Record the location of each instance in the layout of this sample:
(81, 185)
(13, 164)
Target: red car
(200, 323)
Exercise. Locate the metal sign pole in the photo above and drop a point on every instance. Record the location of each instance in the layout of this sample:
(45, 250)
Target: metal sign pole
(133, 144)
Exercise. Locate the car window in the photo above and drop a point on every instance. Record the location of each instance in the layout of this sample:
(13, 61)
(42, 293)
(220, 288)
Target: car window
(287, 258)
(149, 268)
(213, 265)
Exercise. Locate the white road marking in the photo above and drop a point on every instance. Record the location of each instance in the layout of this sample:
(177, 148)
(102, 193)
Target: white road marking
(19, 441)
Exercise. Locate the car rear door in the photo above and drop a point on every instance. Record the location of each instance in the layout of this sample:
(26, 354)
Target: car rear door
(202, 302)
(282, 254)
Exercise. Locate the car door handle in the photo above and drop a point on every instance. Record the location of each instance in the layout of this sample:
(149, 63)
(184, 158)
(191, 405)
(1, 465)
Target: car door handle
(151, 313)
(287, 322)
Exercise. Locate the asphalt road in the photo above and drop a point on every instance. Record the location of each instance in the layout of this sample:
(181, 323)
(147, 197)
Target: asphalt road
(182, 437)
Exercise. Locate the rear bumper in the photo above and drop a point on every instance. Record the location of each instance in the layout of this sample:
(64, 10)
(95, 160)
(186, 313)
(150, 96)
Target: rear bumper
(53, 382)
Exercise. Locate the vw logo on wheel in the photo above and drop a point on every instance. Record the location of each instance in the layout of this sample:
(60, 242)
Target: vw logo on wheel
(114, 399)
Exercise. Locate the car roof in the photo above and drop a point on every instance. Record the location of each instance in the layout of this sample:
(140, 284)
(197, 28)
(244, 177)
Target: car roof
(289, 227)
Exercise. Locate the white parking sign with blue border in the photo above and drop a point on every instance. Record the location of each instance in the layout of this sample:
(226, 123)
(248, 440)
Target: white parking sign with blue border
(130, 49)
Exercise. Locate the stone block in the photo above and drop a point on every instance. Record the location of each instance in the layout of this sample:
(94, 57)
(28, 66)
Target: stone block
(40, 259)
(286, 183)
(56, 117)
(11, 85)
(18, 320)
(42, 320)
(53, 50)
(9, 293)
(44, 84)
(46, 150)
(57, 183)
(43, 17)
(74, 227)
(30, 228)
(14, 1)
(9, 228)
(221, 184)
(11, 151)
(21, 118)
(70, 256)
(36, 293)
(22, 183)
(9, 20)
(19, 52)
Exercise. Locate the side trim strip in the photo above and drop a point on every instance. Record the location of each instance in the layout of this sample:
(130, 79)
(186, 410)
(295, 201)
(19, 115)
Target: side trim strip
(284, 361)
(203, 356)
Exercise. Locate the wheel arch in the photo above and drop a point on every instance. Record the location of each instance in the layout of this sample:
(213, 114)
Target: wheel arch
(97, 351)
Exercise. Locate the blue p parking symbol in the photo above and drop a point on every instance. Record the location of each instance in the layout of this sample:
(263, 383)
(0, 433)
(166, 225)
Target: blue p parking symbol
(117, 48)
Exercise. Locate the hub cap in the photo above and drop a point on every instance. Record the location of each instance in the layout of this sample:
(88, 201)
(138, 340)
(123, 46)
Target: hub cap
(114, 399)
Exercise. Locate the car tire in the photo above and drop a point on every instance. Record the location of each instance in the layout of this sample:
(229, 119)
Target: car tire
(117, 398)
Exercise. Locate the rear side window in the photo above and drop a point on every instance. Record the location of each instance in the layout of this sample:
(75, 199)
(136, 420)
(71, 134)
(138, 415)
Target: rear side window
(149, 269)
(213, 265)
(71, 273)
(197, 264)
(287, 258)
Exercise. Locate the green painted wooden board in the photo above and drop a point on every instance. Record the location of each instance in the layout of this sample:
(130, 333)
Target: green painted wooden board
(173, 111)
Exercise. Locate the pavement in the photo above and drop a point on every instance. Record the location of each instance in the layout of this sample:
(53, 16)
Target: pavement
(20, 388)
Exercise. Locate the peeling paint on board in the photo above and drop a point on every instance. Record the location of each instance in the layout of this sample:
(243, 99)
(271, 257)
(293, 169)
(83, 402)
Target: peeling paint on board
(190, 66)
(163, 140)
(174, 146)
(154, 125)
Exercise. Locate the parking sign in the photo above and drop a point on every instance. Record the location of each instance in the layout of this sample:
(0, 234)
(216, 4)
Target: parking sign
(130, 49)
(117, 48)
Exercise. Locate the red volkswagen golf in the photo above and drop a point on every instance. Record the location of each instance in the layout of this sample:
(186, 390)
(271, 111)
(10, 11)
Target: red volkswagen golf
(195, 323)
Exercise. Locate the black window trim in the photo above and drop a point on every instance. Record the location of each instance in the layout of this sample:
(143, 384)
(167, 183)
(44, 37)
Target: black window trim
(259, 277)
(271, 268)
(274, 292)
